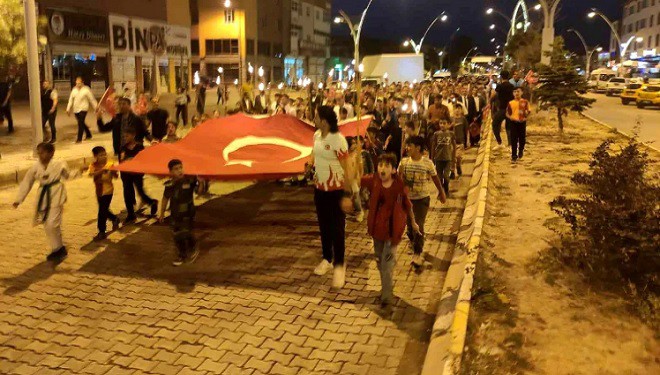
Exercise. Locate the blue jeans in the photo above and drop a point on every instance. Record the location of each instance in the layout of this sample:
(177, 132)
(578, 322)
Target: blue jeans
(385, 261)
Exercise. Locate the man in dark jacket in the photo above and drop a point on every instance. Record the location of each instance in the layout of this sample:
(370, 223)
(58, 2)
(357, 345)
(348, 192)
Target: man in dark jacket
(261, 104)
(123, 120)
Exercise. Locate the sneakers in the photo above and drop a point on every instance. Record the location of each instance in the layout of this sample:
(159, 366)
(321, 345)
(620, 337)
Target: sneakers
(154, 208)
(417, 260)
(360, 217)
(339, 277)
(322, 268)
(100, 237)
(193, 255)
(115, 224)
(58, 255)
(178, 261)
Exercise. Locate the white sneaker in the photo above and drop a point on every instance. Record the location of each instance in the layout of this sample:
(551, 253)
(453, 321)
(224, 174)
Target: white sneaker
(322, 268)
(417, 260)
(339, 277)
(360, 217)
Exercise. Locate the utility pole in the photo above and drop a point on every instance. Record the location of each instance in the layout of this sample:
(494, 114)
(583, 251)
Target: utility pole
(33, 71)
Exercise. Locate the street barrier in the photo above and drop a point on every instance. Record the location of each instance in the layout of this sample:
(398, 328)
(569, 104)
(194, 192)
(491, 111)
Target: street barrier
(447, 341)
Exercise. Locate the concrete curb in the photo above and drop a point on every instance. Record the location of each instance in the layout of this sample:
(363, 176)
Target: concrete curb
(450, 327)
(13, 178)
(618, 131)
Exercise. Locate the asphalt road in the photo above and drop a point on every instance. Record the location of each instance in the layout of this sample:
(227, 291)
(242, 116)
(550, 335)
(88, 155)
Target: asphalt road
(625, 118)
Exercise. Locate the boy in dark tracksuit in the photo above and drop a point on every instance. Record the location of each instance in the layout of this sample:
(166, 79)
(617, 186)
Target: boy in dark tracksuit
(179, 192)
(134, 181)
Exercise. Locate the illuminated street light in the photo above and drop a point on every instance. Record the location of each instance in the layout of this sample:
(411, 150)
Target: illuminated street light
(492, 27)
(406, 43)
(361, 68)
(418, 46)
(639, 39)
(261, 71)
(537, 7)
(599, 49)
(338, 20)
(227, 3)
(220, 70)
(441, 53)
(492, 40)
(489, 11)
(622, 46)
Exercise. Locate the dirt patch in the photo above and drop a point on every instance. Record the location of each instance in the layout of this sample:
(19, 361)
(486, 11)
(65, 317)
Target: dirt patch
(527, 321)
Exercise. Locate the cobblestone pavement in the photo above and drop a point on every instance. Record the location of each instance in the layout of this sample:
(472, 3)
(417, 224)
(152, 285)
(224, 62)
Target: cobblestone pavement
(249, 305)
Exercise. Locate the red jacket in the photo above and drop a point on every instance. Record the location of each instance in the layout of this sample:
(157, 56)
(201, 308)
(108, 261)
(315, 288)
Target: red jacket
(387, 214)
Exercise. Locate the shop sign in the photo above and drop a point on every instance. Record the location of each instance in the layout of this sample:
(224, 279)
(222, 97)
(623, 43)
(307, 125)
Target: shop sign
(71, 27)
(146, 38)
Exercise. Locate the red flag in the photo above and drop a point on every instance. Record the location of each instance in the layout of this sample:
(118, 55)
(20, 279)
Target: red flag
(239, 147)
(107, 102)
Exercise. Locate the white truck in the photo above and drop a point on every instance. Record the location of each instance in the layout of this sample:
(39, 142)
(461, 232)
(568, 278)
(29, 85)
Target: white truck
(395, 67)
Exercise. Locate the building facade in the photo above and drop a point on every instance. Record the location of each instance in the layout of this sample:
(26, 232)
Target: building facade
(119, 43)
(310, 40)
(640, 26)
(248, 39)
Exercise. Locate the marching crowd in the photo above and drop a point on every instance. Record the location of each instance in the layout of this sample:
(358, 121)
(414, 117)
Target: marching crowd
(416, 137)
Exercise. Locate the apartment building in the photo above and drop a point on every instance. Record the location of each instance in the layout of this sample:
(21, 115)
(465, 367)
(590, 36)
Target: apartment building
(310, 40)
(248, 39)
(640, 26)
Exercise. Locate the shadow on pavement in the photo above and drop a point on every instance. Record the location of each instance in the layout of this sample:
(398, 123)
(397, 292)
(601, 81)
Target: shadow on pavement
(22, 282)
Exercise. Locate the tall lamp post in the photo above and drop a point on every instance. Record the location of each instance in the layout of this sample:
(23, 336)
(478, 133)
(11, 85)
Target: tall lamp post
(622, 46)
(355, 30)
(549, 8)
(468, 54)
(587, 55)
(33, 71)
(418, 46)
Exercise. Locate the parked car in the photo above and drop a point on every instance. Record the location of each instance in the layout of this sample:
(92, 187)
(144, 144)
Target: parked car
(631, 92)
(615, 85)
(650, 95)
(598, 79)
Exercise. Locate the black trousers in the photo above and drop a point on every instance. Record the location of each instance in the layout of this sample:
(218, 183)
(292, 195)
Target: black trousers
(498, 117)
(50, 119)
(184, 240)
(518, 137)
(5, 112)
(104, 212)
(182, 110)
(420, 210)
(131, 183)
(82, 126)
(332, 222)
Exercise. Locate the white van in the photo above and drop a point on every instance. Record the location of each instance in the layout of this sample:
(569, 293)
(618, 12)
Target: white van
(598, 79)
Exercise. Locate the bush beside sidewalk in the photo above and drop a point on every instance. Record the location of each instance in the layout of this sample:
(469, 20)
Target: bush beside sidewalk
(523, 318)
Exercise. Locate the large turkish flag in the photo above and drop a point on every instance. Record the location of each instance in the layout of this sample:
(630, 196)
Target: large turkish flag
(239, 147)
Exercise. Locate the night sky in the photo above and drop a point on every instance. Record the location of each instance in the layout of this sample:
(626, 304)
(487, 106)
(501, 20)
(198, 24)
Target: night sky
(398, 19)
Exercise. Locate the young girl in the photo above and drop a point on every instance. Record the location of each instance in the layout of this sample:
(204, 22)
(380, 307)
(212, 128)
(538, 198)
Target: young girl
(459, 123)
(389, 209)
(51, 197)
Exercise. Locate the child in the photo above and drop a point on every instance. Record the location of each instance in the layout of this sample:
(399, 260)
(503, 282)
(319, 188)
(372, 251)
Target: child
(475, 133)
(133, 181)
(389, 207)
(459, 124)
(103, 176)
(416, 172)
(444, 151)
(179, 193)
(343, 114)
(171, 136)
(517, 112)
(51, 197)
(357, 175)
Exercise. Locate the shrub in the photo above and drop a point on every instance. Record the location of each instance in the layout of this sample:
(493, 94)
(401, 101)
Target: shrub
(615, 222)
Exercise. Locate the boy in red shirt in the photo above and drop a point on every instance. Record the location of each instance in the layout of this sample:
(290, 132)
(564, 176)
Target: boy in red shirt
(389, 210)
(517, 112)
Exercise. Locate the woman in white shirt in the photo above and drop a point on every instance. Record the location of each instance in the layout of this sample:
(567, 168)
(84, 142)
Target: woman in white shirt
(332, 185)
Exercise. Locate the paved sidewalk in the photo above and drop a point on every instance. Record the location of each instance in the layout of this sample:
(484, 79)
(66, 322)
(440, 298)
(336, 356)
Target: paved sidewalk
(249, 305)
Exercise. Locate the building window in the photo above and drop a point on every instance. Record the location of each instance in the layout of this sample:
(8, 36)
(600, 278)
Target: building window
(642, 23)
(221, 46)
(632, 10)
(263, 49)
(630, 28)
(651, 21)
(657, 40)
(229, 16)
(194, 46)
(648, 45)
(326, 16)
(294, 6)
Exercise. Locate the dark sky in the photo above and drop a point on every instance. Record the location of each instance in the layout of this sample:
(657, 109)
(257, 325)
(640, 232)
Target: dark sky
(396, 19)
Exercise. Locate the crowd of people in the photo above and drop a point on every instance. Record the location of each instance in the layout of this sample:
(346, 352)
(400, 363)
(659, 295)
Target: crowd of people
(417, 135)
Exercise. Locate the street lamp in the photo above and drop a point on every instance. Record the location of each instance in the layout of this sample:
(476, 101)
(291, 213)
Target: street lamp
(587, 53)
(469, 52)
(622, 47)
(549, 8)
(418, 46)
(492, 27)
(227, 3)
(355, 30)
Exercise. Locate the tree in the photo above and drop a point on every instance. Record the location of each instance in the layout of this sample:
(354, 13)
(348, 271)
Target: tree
(525, 48)
(13, 49)
(560, 85)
